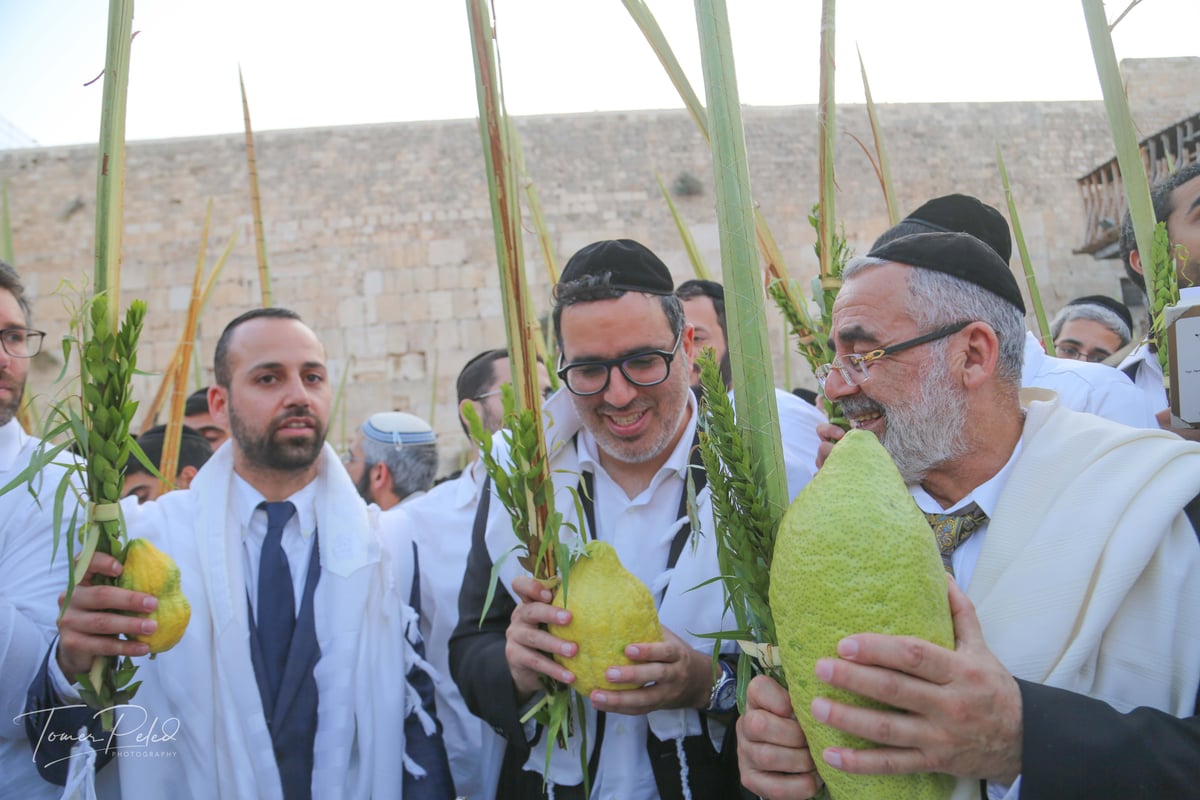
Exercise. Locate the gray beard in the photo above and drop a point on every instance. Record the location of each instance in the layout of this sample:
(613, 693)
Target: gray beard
(623, 451)
(926, 433)
(930, 432)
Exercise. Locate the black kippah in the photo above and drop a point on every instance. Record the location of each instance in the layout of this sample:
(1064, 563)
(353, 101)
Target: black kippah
(958, 254)
(960, 213)
(1115, 306)
(629, 265)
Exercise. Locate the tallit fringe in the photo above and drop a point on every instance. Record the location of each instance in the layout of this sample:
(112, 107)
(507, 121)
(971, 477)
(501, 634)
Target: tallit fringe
(412, 698)
(683, 768)
(412, 767)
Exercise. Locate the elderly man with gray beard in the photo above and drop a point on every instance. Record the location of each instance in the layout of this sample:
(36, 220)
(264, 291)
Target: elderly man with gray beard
(1079, 554)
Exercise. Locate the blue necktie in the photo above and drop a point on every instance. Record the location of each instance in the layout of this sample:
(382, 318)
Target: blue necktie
(276, 615)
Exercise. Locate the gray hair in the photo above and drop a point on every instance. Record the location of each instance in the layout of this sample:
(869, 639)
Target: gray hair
(1106, 317)
(413, 466)
(939, 299)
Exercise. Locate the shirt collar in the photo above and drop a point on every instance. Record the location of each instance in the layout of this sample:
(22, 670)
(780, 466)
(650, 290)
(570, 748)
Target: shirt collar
(12, 441)
(469, 485)
(986, 495)
(246, 498)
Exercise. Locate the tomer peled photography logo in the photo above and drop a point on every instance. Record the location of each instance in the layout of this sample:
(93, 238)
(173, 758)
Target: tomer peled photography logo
(135, 733)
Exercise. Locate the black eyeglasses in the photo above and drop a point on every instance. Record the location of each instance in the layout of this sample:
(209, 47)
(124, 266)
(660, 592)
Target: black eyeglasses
(21, 342)
(853, 366)
(647, 368)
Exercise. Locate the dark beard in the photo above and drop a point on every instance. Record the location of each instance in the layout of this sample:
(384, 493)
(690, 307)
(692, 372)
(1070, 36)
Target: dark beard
(9, 410)
(261, 448)
(364, 484)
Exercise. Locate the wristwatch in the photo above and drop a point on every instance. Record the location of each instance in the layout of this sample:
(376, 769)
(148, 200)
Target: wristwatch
(723, 697)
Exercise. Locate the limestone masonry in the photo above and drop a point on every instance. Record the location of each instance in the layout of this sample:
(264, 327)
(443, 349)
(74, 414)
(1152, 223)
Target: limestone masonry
(380, 236)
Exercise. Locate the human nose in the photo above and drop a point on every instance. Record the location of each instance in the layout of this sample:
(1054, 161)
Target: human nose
(619, 392)
(296, 391)
(836, 386)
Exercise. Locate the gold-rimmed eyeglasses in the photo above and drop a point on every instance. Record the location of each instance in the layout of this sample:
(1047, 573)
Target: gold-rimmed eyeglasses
(853, 366)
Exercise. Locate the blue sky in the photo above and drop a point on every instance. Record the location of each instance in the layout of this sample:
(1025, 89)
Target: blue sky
(362, 61)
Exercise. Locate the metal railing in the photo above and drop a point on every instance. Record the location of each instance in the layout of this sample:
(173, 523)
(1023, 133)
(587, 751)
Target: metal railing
(1103, 192)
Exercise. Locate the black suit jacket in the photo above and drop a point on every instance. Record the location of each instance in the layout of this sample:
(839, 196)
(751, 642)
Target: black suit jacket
(1077, 747)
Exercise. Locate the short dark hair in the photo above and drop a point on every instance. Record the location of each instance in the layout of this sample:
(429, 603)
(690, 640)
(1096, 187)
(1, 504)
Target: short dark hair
(691, 289)
(807, 395)
(477, 376)
(11, 281)
(696, 287)
(196, 403)
(194, 449)
(1162, 197)
(592, 288)
(221, 357)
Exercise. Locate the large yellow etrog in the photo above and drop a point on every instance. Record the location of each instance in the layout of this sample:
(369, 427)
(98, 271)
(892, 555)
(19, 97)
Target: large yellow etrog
(854, 554)
(610, 609)
(150, 570)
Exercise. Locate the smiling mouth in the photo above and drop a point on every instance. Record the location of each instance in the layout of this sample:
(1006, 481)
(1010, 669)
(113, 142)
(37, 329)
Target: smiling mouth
(625, 420)
(861, 420)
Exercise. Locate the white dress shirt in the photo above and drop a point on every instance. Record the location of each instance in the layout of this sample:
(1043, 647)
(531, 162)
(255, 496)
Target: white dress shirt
(1095, 388)
(986, 496)
(798, 421)
(297, 541)
(440, 522)
(28, 602)
(640, 529)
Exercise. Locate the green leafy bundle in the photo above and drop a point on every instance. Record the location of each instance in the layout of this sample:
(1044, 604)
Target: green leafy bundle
(746, 524)
(524, 488)
(108, 362)
(812, 335)
(1165, 285)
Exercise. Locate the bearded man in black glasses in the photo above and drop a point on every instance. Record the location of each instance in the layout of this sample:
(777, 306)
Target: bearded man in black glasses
(1083, 564)
(622, 437)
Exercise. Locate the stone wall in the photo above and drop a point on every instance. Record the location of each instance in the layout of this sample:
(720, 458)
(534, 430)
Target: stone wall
(380, 236)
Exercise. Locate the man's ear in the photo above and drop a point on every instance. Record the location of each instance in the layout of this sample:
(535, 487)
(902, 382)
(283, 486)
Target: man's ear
(980, 352)
(380, 478)
(687, 341)
(463, 417)
(184, 479)
(1135, 261)
(218, 405)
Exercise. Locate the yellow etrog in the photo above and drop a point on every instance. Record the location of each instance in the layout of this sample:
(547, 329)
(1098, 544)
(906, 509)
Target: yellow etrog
(854, 554)
(150, 570)
(610, 609)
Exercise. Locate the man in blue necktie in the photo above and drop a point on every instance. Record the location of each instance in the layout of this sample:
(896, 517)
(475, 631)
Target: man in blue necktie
(290, 680)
